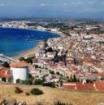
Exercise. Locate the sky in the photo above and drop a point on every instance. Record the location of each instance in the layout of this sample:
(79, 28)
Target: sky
(52, 8)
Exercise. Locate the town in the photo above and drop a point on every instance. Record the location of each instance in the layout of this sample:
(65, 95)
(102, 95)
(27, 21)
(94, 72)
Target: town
(75, 60)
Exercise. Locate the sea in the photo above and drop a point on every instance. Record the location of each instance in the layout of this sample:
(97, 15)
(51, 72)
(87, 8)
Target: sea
(13, 41)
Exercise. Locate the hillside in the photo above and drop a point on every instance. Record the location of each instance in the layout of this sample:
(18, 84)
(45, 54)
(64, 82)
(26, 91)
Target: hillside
(51, 95)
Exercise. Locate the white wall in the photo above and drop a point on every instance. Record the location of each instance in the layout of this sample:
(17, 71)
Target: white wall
(19, 73)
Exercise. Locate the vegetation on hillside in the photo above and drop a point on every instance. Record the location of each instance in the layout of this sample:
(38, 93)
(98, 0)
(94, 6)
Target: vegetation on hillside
(50, 96)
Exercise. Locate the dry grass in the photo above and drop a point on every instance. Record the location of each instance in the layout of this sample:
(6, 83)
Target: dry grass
(51, 95)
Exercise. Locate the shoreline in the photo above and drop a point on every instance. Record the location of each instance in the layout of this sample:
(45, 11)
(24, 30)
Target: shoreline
(26, 53)
(30, 52)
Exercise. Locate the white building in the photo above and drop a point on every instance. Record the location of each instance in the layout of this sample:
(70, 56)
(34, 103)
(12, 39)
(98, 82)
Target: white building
(54, 30)
(19, 71)
(41, 28)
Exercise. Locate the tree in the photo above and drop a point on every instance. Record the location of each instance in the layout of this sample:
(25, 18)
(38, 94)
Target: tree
(22, 59)
(6, 64)
(28, 60)
(39, 82)
(36, 91)
(73, 79)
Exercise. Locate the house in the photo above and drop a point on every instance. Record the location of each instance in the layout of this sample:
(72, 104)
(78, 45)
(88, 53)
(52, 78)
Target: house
(96, 86)
(19, 71)
(5, 74)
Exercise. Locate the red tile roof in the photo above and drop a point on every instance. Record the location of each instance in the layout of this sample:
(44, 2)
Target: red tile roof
(99, 85)
(70, 86)
(101, 74)
(88, 86)
(19, 65)
(5, 73)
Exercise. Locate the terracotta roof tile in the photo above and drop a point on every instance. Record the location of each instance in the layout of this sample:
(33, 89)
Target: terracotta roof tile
(99, 85)
(5, 73)
(81, 86)
(19, 65)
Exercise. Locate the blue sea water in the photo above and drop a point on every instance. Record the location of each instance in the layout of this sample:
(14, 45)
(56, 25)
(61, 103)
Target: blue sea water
(14, 41)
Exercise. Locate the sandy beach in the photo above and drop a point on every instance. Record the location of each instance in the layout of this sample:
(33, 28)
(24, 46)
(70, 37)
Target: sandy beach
(26, 53)
(31, 52)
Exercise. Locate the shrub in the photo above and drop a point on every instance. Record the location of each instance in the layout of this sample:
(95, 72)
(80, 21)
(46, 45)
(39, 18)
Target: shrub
(27, 94)
(18, 81)
(52, 72)
(22, 59)
(30, 76)
(38, 82)
(73, 79)
(36, 91)
(57, 73)
(27, 82)
(18, 90)
(28, 60)
(6, 64)
(50, 84)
